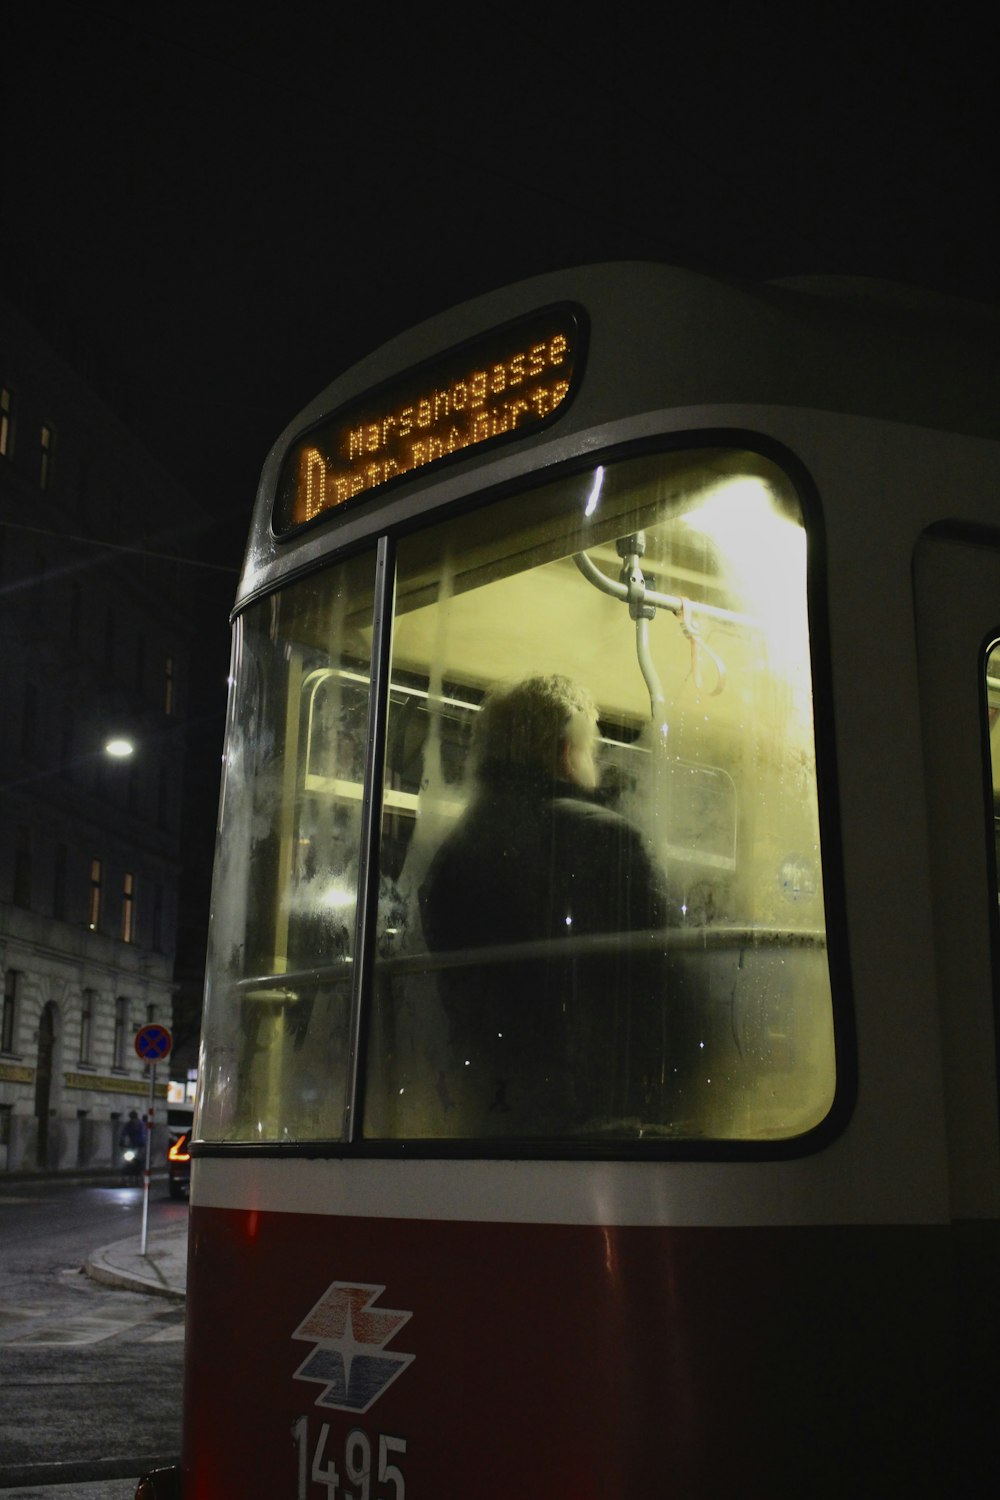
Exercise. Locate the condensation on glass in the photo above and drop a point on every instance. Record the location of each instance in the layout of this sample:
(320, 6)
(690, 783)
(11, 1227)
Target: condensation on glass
(619, 938)
(284, 894)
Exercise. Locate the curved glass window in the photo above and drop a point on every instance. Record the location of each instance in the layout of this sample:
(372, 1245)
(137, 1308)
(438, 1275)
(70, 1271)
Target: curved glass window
(284, 892)
(599, 890)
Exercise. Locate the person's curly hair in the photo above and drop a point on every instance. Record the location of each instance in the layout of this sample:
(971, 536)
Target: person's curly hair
(524, 727)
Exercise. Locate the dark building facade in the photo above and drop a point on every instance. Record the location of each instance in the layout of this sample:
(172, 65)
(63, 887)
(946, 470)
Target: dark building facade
(95, 645)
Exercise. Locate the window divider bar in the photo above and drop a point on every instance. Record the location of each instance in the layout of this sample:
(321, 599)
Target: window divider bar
(366, 915)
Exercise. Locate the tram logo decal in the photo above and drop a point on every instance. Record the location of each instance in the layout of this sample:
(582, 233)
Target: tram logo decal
(349, 1358)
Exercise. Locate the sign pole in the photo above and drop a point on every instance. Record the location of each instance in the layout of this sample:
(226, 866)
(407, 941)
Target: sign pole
(152, 1044)
(149, 1147)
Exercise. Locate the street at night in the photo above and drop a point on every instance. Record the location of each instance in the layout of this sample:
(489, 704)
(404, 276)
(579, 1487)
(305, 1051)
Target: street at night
(91, 1374)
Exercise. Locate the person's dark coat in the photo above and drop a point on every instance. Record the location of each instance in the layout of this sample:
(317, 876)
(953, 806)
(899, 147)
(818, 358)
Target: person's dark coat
(560, 1019)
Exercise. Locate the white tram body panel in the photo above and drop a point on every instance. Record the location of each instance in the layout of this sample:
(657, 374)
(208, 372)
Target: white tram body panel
(777, 1281)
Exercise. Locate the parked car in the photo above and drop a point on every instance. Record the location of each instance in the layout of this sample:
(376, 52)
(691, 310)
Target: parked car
(179, 1166)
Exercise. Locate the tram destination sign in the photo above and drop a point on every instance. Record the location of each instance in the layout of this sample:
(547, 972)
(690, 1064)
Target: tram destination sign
(511, 381)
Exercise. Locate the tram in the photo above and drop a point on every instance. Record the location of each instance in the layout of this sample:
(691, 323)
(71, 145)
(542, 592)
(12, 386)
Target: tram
(613, 1114)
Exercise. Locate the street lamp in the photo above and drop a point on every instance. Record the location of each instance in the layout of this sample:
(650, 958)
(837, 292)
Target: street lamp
(119, 748)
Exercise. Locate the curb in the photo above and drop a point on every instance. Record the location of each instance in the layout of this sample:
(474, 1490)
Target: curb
(129, 1281)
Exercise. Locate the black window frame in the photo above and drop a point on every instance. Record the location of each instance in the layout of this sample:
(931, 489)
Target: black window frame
(384, 537)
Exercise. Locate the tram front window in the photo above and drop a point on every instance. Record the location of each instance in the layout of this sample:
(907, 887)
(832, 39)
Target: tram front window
(600, 906)
(284, 894)
(602, 912)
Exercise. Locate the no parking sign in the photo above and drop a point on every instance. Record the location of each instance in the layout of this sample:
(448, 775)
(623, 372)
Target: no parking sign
(153, 1042)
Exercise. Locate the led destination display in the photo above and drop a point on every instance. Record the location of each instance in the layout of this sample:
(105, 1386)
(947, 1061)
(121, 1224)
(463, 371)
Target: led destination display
(504, 385)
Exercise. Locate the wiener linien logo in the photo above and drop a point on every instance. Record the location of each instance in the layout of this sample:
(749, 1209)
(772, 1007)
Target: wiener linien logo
(349, 1358)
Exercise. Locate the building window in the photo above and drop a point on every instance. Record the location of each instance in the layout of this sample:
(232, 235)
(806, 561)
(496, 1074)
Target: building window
(94, 920)
(22, 866)
(8, 1030)
(128, 908)
(48, 439)
(6, 421)
(121, 1030)
(168, 686)
(88, 1005)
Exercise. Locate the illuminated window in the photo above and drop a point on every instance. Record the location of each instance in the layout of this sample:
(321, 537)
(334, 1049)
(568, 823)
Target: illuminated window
(8, 1030)
(88, 1002)
(95, 895)
(121, 1031)
(6, 422)
(293, 864)
(47, 445)
(128, 909)
(600, 799)
(600, 916)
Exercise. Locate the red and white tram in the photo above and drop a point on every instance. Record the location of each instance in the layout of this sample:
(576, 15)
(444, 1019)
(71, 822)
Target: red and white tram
(552, 1202)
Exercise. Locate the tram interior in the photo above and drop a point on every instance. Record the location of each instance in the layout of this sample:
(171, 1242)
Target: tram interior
(673, 589)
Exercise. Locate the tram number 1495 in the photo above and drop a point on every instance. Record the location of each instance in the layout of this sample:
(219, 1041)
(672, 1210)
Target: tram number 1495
(357, 1465)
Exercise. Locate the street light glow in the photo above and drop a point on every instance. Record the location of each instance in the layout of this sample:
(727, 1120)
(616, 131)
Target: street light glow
(119, 749)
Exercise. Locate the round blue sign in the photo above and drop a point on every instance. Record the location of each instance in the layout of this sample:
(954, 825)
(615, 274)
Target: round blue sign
(153, 1042)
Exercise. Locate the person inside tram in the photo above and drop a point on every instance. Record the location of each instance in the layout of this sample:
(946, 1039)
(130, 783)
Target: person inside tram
(550, 1027)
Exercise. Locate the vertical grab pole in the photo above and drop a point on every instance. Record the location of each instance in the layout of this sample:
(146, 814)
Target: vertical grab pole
(366, 915)
(149, 1147)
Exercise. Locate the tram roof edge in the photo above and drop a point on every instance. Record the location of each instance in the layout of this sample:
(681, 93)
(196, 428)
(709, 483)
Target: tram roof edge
(850, 344)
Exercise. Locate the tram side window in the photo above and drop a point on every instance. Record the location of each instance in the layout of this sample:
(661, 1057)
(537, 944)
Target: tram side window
(284, 894)
(601, 911)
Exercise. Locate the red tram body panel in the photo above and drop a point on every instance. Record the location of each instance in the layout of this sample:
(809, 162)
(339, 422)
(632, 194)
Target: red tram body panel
(584, 1361)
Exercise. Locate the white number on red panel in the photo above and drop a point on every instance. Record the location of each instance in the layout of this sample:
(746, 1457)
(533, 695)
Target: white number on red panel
(356, 1482)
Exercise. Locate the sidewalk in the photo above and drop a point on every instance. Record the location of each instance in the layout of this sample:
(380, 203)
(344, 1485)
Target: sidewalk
(162, 1270)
